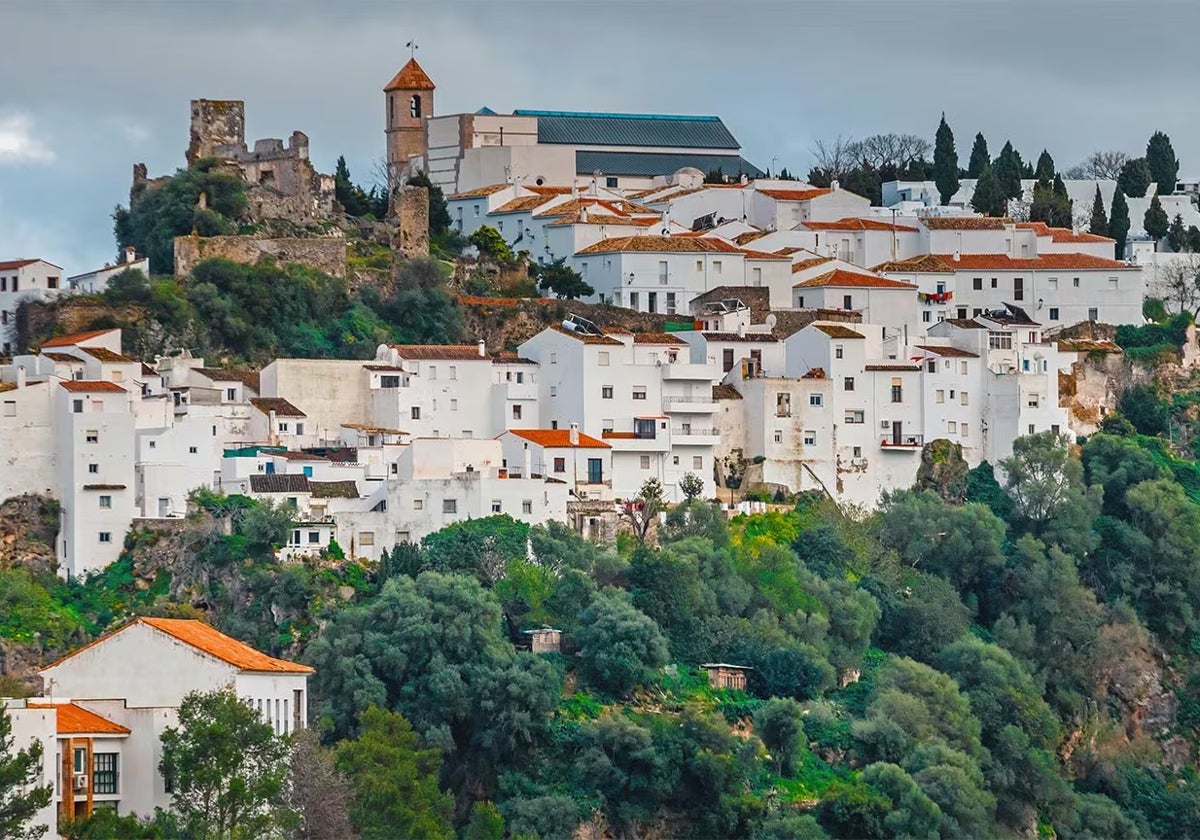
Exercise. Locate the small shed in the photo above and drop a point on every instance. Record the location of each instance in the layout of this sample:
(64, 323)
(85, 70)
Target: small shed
(544, 640)
(722, 675)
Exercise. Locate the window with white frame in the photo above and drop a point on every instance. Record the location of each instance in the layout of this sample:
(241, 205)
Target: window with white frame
(697, 462)
(815, 399)
(810, 437)
(449, 505)
(105, 502)
(527, 506)
(779, 436)
(644, 462)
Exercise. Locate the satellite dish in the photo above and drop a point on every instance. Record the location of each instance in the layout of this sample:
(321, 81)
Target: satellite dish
(771, 320)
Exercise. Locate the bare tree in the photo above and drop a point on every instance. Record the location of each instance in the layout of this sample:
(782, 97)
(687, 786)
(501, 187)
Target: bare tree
(836, 157)
(317, 792)
(894, 150)
(1101, 166)
(641, 512)
(1179, 284)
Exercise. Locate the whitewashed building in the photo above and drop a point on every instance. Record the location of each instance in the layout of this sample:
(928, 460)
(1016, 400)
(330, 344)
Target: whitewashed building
(20, 281)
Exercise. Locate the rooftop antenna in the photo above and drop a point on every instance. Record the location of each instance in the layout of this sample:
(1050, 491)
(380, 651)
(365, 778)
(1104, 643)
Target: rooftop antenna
(413, 46)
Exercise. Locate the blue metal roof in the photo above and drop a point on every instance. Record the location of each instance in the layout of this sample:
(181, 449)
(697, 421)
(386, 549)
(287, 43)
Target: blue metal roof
(597, 129)
(655, 163)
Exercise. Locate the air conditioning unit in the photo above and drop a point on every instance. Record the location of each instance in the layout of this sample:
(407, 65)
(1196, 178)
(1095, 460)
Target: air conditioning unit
(885, 424)
(582, 494)
(79, 781)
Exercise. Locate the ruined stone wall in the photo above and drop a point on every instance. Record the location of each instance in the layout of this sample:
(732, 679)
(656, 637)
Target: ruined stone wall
(218, 128)
(326, 254)
(411, 206)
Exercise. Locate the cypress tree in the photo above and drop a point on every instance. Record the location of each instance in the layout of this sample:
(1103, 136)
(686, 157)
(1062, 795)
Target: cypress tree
(1163, 165)
(1177, 235)
(1193, 239)
(1045, 169)
(987, 198)
(1007, 170)
(1099, 223)
(1155, 221)
(1118, 223)
(979, 157)
(1064, 208)
(1134, 178)
(945, 162)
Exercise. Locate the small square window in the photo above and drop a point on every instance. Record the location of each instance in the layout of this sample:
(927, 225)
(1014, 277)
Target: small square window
(106, 502)
(810, 438)
(106, 536)
(779, 436)
(560, 465)
(495, 505)
(192, 450)
(449, 505)
(814, 399)
(639, 392)
(415, 413)
(93, 468)
(77, 406)
(516, 412)
(93, 436)
(644, 462)
(952, 427)
(314, 537)
(606, 392)
(977, 284)
(527, 506)
(964, 398)
(848, 383)
(554, 390)
(602, 358)
(837, 351)
(418, 504)
(856, 452)
(553, 358)
(1053, 313)
(366, 538)
(697, 462)
(962, 430)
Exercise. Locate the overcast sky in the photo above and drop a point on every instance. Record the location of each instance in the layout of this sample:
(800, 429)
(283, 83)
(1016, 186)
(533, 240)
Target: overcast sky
(89, 88)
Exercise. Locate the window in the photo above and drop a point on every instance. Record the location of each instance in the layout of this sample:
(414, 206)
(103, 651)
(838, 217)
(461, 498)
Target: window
(602, 358)
(527, 506)
(675, 460)
(418, 504)
(962, 368)
(314, 537)
(1052, 282)
(553, 358)
(962, 430)
(106, 502)
(697, 462)
(939, 396)
(855, 416)
(931, 366)
(93, 468)
(554, 390)
(449, 505)
(756, 277)
(80, 765)
(952, 427)
(453, 372)
(106, 536)
(662, 272)
(1018, 288)
(1093, 314)
(644, 462)
(283, 427)
(897, 390)
(639, 392)
(633, 300)
(295, 538)
(414, 107)
(952, 395)
(77, 406)
(726, 360)
(847, 302)
(783, 404)
(837, 351)
(516, 412)
(193, 450)
(366, 538)
(810, 437)
(606, 425)
(495, 505)
(671, 303)
(963, 398)
(926, 316)
(779, 436)
(716, 266)
(454, 402)
(999, 340)
(606, 392)
(977, 284)
(610, 181)
(389, 381)
(1075, 282)
(1031, 429)
(815, 400)
(1053, 313)
(848, 383)
(994, 282)
(560, 465)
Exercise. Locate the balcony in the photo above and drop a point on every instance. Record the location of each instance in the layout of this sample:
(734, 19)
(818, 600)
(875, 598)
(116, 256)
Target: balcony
(902, 441)
(935, 297)
(696, 437)
(636, 441)
(690, 372)
(674, 404)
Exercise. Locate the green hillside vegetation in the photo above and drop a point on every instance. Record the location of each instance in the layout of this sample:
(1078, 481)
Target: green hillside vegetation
(1023, 662)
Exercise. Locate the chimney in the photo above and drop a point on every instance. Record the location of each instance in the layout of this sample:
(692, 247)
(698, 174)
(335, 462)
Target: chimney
(573, 437)
(741, 328)
(957, 255)
(130, 254)
(835, 185)
(482, 348)
(528, 462)
(272, 429)
(583, 213)
(20, 376)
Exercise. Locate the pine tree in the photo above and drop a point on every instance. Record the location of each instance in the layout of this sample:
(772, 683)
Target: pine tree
(987, 198)
(1007, 171)
(1118, 222)
(1099, 223)
(1045, 169)
(979, 157)
(1161, 160)
(1177, 234)
(945, 162)
(1155, 222)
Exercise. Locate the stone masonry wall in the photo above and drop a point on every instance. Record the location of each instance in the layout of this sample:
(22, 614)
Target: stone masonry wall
(326, 254)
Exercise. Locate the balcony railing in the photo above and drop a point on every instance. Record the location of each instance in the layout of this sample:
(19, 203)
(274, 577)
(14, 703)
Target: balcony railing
(673, 398)
(935, 297)
(902, 441)
(695, 432)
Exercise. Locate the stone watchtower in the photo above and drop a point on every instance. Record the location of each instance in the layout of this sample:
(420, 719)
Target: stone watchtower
(218, 129)
(408, 103)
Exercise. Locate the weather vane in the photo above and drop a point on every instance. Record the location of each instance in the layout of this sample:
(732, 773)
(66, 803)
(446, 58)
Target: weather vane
(413, 46)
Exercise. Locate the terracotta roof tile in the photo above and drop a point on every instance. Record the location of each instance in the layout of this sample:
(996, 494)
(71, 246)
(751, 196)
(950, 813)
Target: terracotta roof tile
(586, 339)
(524, 204)
(812, 262)
(749, 236)
(64, 358)
(765, 255)
(965, 323)
(766, 337)
(74, 338)
(892, 366)
(965, 222)
(840, 278)
(923, 264)
(726, 392)
(215, 643)
(347, 489)
(103, 354)
(795, 195)
(480, 192)
(279, 483)
(660, 245)
(838, 331)
(13, 265)
(857, 224)
(279, 405)
(1050, 262)
(603, 219)
(249, 378)
(542, 190)
(76, 720)
(658, 338)
(411, 77)
(559, 439)
(438, 352)
(939, 350)
(93, 386)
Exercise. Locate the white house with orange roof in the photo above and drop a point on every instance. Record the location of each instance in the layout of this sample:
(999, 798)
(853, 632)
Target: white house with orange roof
(105, 706)
(889, 303)
(568, 455)
(780, 205)
(24, 280)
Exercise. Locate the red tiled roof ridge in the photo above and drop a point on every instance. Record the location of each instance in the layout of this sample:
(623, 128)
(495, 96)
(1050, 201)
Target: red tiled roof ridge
(558, 439)
(75, 338)
(411, 77)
